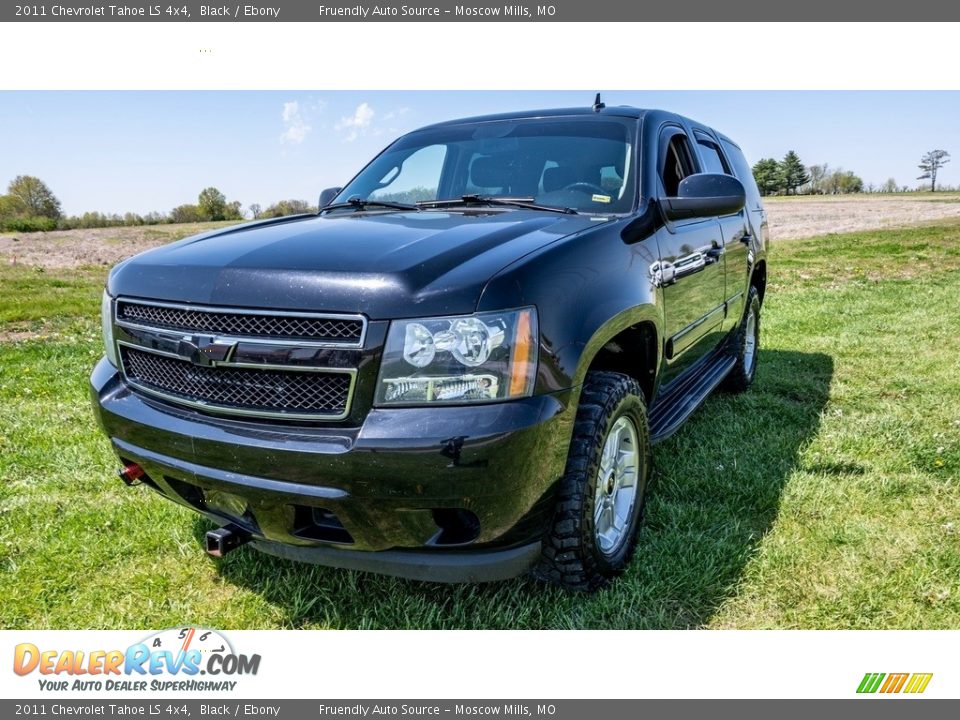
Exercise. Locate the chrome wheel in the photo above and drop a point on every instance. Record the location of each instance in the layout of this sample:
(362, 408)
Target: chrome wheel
(750, 343)
(617, 482)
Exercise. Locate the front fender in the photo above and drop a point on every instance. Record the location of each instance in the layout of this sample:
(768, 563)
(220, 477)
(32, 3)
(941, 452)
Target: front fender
(587, 288)
(581, 355)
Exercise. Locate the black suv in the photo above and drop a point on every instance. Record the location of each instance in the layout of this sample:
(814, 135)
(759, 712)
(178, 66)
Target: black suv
(456, 369)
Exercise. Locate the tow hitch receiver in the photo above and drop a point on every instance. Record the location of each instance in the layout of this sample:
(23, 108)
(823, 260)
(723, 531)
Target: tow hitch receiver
(222, 540)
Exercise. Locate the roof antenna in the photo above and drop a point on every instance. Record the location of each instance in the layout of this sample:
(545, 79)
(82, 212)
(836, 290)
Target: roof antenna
(597, 104)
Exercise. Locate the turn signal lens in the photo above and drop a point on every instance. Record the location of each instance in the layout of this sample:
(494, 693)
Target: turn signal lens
(522, 370)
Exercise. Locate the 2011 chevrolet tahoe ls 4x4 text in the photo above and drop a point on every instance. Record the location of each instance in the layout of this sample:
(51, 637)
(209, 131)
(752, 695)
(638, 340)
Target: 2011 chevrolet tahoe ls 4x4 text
(456, 369)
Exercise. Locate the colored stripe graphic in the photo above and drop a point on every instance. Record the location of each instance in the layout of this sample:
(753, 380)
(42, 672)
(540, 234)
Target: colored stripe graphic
(918, 682)
(894, 683)
(870, 682)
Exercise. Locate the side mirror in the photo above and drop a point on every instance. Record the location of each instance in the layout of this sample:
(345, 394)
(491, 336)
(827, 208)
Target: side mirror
(327, 196)
(705, 195)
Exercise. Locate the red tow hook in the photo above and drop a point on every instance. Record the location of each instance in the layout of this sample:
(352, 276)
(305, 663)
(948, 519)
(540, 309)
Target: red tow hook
(130, 473)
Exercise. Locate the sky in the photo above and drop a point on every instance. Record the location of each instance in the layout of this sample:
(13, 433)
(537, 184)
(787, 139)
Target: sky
(126, 151)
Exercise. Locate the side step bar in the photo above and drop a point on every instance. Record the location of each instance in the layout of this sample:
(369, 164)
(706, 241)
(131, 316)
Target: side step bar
(680, 401)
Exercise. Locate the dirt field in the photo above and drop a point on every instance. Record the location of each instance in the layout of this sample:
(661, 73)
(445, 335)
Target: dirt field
(800, 217)
(102, 246)
(790, 218)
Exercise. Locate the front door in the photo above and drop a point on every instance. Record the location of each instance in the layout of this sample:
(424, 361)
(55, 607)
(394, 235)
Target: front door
(691, 268)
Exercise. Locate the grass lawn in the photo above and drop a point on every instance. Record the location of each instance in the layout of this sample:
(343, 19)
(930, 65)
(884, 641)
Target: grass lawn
(827, 497)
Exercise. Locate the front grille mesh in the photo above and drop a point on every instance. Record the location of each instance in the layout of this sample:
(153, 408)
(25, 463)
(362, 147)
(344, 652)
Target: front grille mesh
(255, 390)
(321, 329)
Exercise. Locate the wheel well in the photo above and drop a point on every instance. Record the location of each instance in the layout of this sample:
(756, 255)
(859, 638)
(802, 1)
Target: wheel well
(759, 278)
(633, 352)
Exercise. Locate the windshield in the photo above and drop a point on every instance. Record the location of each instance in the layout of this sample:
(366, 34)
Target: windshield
(585, 165)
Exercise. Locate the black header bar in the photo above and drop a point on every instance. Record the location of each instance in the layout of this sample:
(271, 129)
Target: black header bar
(580, 11)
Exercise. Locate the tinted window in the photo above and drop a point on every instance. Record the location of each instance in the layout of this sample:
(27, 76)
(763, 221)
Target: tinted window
(677, 164)
(713, 161)
(412, 179)
(583, 164)
(741, 168)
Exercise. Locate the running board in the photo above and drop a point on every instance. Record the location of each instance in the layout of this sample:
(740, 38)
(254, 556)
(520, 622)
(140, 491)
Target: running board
(680, 401)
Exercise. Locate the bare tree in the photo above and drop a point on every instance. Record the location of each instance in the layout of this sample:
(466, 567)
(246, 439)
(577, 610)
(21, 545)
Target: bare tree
(818, 174)
(930, 163)
(255, 210)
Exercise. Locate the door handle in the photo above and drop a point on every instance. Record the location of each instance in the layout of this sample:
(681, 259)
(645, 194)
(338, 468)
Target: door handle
(746, 238)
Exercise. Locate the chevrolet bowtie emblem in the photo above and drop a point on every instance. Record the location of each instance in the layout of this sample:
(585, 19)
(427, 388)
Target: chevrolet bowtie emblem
(205, 351)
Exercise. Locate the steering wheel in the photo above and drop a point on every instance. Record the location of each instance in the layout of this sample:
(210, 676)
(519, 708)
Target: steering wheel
(586, 187)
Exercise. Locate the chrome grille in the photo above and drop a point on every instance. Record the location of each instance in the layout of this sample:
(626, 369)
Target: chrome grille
(331, 329)
(255, 391)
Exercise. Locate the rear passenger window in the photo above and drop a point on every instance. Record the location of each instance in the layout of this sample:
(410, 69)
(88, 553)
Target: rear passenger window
(713, 161)
(743, 172)
(677, 164)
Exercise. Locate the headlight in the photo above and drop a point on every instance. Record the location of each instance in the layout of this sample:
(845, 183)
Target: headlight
(106, 323)
(474, 358)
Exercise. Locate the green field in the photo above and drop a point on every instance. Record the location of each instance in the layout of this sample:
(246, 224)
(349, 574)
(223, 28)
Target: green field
(827, 497)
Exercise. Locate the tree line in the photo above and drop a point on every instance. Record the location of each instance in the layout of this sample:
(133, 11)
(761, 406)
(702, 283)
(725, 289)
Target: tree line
(790, 176)
(30, 206)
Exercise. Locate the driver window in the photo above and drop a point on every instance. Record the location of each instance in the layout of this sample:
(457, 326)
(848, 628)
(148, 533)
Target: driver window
(677, 164)
(418, 178)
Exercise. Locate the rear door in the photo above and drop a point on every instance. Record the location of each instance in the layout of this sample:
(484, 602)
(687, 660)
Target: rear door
(690, 270)
(754, 213)
(735, 231)
(757, 216)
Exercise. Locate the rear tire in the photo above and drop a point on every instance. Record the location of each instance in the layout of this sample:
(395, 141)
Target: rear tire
(745, 346)
(600, 498)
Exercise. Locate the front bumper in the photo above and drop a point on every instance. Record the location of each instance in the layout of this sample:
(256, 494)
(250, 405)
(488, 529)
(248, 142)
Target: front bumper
(446, 493)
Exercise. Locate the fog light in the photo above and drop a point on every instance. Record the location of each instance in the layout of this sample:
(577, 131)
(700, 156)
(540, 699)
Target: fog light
(457, 526)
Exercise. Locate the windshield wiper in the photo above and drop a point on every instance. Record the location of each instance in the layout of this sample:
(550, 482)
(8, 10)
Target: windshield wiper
(527, 203)
(361, 204)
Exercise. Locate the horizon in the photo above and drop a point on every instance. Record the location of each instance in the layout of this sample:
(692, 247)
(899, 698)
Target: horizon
(149, 151)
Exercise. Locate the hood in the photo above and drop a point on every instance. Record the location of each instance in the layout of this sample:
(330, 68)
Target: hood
(385, 265)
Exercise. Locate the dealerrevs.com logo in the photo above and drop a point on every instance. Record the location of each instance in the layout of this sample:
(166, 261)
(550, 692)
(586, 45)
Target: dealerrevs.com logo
(169, 660)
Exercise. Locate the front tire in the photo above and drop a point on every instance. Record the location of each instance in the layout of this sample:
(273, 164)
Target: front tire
(600, 498)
